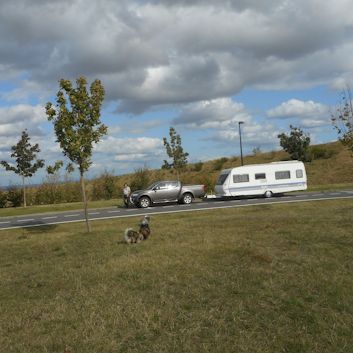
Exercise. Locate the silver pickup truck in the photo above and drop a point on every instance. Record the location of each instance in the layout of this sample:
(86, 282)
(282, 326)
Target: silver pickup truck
(167, 191)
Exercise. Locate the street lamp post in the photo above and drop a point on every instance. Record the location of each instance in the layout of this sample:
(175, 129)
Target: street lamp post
(241, 146)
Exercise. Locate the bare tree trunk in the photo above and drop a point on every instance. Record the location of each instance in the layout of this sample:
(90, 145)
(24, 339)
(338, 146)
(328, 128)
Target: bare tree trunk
(88, 225)
(24, 192)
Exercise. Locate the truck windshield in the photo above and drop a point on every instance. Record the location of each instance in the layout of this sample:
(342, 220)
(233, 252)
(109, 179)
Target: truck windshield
(222, 178)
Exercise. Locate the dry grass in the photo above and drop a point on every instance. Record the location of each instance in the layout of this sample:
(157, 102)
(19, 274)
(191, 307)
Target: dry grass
(261, 279)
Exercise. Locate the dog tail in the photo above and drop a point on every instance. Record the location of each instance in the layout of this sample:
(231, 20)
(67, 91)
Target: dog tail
(127, 237)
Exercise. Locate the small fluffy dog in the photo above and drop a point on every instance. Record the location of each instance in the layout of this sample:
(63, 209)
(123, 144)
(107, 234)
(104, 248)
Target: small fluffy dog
(131, 236)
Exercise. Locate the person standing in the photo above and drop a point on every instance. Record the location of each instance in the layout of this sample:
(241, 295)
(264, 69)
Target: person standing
(126, 192)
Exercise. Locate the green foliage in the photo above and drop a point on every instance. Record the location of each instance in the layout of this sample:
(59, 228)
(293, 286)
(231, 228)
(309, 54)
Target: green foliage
(218, 163)
(15, 196)
(296, 143)
(76, 120)
(104, 187)
(198, 166)
(52, 169)
(25, 154)
(77, 125)
(175, 152)
(342, 119)
(26, 160)
(140, 179)
(3, 199)
(256, 151)
(319, 152)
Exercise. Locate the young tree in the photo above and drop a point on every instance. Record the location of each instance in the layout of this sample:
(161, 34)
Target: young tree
(296, 143)
(342, 119)
(175, 152)
(26, 160)
(77, 125)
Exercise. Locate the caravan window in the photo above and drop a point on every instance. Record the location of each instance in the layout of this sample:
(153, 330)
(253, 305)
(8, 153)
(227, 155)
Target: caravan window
(260, 176)
(299, 173)
(222, 178)
(240, 178)
(285, 174)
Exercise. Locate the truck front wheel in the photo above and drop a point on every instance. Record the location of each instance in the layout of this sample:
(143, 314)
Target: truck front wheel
(187, 199)
(144, 202)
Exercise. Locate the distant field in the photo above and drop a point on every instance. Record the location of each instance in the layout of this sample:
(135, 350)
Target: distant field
(263, 279)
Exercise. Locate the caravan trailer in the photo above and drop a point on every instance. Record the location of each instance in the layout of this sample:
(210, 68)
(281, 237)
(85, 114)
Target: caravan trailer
(262, 179)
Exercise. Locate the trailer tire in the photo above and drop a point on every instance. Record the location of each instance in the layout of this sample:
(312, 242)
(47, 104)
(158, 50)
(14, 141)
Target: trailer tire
(268, 194)
(186, 198)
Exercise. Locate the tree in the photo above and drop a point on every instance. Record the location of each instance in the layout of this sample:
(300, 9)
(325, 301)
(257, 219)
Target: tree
(342, 119)
(175, 152)
(26, 161)
(296, 143)
(77, 125)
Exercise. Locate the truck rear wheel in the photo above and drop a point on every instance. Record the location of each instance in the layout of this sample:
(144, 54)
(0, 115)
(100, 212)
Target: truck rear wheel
(144, 202)
(187, 199)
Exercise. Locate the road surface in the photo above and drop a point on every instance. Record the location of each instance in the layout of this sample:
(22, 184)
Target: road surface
(37, 220)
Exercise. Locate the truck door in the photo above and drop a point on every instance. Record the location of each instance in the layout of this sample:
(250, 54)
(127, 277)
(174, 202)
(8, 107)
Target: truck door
(173, 190)
(160, 192)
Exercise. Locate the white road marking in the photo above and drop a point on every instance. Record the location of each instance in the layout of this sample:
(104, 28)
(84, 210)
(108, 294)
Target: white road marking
(113, 211)
(5, 222)
(26, 220)
(93, 213)
(51, 217)
(72, 215)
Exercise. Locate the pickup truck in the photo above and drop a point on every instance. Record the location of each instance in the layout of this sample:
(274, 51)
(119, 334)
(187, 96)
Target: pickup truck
(167, 191)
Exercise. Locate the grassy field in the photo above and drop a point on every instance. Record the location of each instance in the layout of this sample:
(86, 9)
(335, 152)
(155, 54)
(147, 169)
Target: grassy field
(273, 278)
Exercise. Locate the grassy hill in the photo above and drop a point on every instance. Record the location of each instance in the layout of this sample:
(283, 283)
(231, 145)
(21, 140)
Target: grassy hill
(331, 164)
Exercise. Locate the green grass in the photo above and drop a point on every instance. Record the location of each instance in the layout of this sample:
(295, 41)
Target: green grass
(273, 278)
(20, 211)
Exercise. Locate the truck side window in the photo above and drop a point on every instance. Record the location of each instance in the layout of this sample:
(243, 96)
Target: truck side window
(299, 173)
(240, 178)
(260, 176)
(161, 186)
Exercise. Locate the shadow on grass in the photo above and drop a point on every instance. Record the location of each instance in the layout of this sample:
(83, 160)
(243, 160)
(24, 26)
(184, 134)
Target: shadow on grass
(40, 228)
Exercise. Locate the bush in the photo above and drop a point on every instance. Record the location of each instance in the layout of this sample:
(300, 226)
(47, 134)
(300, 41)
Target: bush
(218, 163)
(198, 166)
(3, 199)
(104, 187)
(140, 179)
(319, 152)
(15, 196)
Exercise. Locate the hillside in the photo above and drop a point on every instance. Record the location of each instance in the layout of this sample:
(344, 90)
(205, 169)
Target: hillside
(331, 164)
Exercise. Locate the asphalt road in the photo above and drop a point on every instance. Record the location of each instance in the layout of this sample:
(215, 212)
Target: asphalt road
(46, 219)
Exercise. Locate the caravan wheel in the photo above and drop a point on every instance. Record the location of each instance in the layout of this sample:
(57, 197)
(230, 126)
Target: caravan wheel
(268, 194)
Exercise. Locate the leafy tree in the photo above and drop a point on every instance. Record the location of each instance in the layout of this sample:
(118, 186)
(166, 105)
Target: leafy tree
(296, 143)
(175, 152)
(77, 125)
(342, 119)
(26, 160)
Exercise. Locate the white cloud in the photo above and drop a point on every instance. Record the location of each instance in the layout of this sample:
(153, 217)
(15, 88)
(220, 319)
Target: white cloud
(215, 114)
(15, 119)
(133, 149)
(295, 108)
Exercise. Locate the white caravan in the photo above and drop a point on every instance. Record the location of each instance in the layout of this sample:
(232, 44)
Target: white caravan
(262, 179)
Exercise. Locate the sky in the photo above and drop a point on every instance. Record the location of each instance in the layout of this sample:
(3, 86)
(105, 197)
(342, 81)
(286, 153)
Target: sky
(200, 66)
